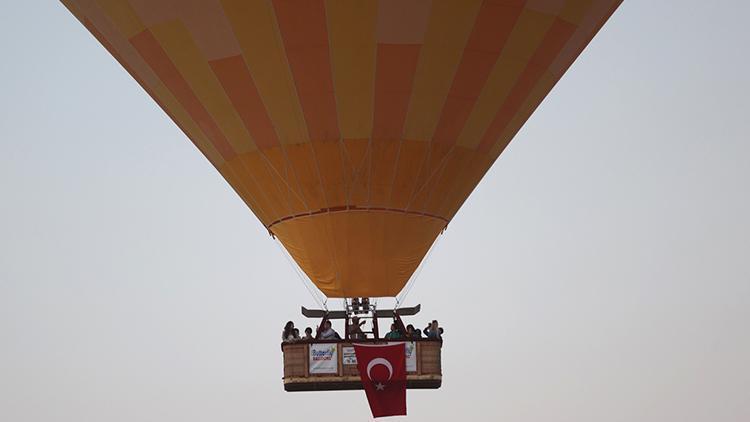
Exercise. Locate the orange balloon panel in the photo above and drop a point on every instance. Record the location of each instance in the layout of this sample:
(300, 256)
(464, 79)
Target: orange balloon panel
(354, 130)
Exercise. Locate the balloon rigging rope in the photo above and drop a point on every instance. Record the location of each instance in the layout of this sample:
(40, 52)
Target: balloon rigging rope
(311, 289)
(413, 280)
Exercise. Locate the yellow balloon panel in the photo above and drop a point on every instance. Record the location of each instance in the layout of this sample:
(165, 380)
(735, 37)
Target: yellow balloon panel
(359, 253)
(354, 130)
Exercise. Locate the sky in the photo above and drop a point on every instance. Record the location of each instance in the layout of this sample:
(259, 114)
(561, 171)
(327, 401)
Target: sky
(599, 272)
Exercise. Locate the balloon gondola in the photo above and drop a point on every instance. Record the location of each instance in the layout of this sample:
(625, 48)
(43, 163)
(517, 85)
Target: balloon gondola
(353, 130)
(423, 355)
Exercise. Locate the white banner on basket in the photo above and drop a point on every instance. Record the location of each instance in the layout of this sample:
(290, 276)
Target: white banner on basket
(347, 355)
(323, 358)
(411, 354)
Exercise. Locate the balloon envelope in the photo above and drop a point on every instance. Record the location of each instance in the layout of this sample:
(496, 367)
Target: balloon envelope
(354, 130)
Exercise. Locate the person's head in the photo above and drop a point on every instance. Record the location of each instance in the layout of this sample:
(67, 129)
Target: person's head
(296, 332)
(327, 325)
(289, 325)
(393, 327)
(308, 331)
(410, 329)
(355, 319)
(434, 324)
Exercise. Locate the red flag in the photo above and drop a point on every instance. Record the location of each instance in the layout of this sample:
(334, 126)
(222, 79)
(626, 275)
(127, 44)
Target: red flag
(383, 372)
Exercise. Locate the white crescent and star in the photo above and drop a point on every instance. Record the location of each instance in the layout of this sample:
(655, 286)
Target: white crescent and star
(380, 361)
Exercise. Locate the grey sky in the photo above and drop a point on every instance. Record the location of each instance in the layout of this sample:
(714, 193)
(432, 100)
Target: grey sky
(599, 272)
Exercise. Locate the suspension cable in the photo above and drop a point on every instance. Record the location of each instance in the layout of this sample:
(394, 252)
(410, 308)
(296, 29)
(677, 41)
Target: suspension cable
(413, 279)
(302, 277)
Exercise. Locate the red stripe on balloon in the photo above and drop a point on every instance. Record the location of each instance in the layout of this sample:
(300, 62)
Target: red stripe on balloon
(302, 24)
(234, 76)
(554, 41)
(491, 31)
(160, 63)
(396, 66)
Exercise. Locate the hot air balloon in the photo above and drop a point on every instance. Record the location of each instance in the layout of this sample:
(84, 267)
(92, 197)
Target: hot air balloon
(353, 130)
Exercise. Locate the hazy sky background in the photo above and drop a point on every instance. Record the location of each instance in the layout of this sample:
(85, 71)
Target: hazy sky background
(600, 271)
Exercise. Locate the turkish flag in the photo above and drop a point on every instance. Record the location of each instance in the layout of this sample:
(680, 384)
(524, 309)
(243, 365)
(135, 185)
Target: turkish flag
(383, 372)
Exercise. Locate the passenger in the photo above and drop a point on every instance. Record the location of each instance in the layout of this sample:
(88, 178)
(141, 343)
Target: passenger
(433, 330)
(394, 334)
(288, 333)
(355, 304)
(329, 333)
(417, 333)
(411, 332)
(295, 334)
(308, 335)
(366, 304)
(355, 329)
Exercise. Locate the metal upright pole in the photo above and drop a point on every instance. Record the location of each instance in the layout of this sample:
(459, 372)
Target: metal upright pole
(375, 322)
